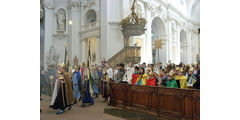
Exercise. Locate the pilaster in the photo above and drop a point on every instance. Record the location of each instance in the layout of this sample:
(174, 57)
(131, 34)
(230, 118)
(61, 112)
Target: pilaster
(48, 25)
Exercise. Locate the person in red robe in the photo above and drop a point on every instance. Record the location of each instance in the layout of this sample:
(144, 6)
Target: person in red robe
(151, 79)
(135, 75)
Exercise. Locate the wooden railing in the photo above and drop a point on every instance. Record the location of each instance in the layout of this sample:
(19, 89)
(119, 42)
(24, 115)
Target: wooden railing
(168, 103)
(128, 54)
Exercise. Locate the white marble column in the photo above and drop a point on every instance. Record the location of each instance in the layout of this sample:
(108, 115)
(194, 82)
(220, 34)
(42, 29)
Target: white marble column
(148, 40)
(75, 28)
(166, 42)
(104, 27)
(189, 44)
(199, 44)
(98, 61)
(178, 44)
(170, 55)
(48, 25)
(84, 50)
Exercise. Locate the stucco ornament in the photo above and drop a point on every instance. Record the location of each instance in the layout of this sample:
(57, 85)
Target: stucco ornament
(88, 3)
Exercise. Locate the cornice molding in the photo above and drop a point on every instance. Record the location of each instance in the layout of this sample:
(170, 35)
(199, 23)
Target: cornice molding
(48, 4)
(74, 5)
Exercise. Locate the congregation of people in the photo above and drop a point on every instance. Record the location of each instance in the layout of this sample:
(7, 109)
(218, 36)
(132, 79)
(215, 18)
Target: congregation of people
(170, 75)
(85, 82)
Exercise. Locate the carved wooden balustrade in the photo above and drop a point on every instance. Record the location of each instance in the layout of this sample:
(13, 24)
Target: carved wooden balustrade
(168, 103)
(90, 26)
(128, 54)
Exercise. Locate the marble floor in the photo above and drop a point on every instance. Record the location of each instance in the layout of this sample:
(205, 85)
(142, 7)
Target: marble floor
(99, 111)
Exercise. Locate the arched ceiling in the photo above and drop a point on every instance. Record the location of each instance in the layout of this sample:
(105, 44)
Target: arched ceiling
(195, 11)
(158, 27)
(189, 8)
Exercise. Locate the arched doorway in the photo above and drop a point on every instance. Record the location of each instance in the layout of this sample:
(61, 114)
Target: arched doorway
(184, 47)
(158, 32)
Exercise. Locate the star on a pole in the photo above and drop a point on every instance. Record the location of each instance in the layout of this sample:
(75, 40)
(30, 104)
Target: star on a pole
(158, 44)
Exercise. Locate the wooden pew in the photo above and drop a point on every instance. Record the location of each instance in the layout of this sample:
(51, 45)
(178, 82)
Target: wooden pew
(169, 103)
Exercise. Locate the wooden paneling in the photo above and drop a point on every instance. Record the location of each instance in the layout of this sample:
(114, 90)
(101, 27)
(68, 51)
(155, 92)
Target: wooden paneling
(144, 98)
(196, 105)
(170, 103)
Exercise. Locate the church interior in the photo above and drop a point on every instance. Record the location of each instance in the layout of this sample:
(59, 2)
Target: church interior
(174, 24)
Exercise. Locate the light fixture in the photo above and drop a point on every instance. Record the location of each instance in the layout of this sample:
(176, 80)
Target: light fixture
(70, 22)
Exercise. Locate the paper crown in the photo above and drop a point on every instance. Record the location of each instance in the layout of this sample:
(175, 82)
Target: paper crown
(171, 73)
(181, 70)
(177, 68)
(191, 69)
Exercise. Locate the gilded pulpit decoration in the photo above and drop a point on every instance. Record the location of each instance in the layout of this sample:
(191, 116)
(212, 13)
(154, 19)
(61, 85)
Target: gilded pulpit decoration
(133, 25)
(61, 20)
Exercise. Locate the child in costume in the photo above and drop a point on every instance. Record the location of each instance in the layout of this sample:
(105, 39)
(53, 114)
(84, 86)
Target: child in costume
(142, 78)
(171, 83)
(135, 75)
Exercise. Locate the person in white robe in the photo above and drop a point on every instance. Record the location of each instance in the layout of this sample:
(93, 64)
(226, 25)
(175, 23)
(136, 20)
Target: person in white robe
(128, 74)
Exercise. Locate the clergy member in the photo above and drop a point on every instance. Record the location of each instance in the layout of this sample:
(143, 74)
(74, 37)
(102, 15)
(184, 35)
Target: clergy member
(62, 94)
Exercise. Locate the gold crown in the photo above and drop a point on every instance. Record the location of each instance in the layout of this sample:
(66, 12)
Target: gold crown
(191, 69)
(177, 68)
(181, 70)
(171, 73)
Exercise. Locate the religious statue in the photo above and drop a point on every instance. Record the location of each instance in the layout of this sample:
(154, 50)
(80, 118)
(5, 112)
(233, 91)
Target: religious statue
(52, 58)
(61, 20)
(75, 60)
